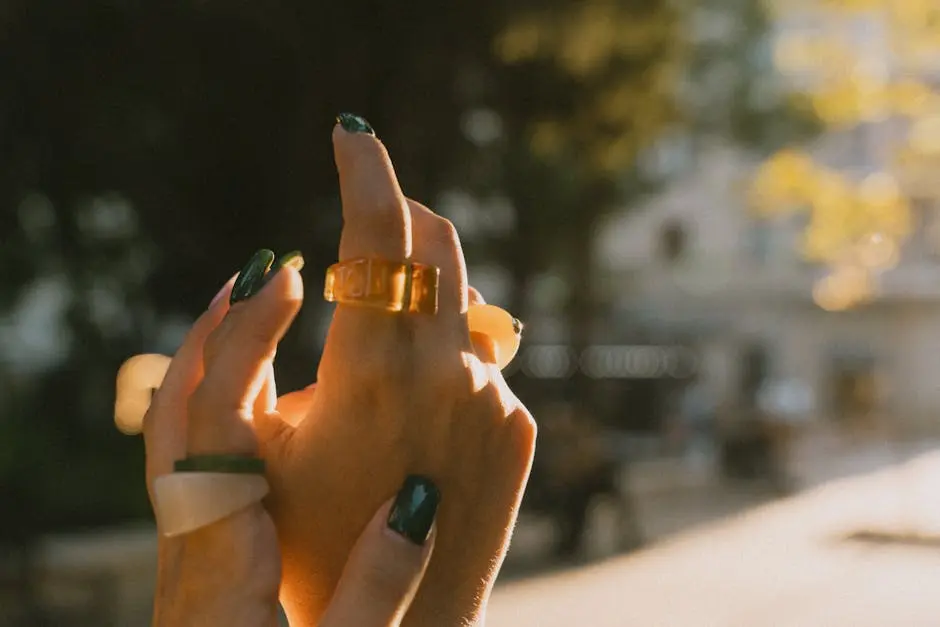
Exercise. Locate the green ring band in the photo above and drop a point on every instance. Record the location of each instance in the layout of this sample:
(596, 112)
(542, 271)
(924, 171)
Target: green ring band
(234, 464)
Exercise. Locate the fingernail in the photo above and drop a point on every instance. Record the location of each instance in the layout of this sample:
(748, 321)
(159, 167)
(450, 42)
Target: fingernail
(293, 259)
(352, 123)
(517, 326)
(251, 278)
(414, 509)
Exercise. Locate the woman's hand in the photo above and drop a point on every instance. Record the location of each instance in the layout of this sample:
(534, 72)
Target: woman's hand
(228, 573)
(397, 394)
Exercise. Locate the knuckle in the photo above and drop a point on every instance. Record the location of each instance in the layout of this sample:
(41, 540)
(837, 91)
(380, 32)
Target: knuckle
(448, 377)
(444, 233)
(488, 403)
(523, 432)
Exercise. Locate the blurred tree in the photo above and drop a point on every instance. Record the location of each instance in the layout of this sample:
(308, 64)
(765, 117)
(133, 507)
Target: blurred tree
(149, 147)
(866, 67)
(586, 93)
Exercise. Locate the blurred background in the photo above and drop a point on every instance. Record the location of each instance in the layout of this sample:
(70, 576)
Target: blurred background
(718, 220)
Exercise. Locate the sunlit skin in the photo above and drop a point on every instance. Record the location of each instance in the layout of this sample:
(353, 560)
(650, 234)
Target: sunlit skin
(394, 395)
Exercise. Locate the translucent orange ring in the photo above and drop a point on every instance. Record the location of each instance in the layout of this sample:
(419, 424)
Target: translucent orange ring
(504, 330)
(392, 286)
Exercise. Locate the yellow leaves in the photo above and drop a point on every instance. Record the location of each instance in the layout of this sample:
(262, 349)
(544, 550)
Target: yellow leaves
(781, 182)
(925, 137)
(521, 41)
(584, 39)
(617, 155)
(877, 252)
(548, 139)
(886, 209)
(858, 6)
(912, 98)
(621, 60)
(914, 14)
(846, 287)
(859, 223)
(861, 93)
(865, 61)
(589, 38)
(844, 87)
(801, 52)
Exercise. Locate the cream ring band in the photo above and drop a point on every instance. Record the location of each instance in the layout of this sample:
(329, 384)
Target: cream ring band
(187, 501)
(138, 377)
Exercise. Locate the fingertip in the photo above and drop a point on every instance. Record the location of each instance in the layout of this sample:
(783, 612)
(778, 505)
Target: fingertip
(287, 285)
(346, 144)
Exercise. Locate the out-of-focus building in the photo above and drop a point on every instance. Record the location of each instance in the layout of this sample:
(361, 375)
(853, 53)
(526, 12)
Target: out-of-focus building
(695, 262)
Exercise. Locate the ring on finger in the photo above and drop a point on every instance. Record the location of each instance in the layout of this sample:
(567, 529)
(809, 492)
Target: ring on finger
(392, 286)
(204, 489)
(137, 380)
(496, 323)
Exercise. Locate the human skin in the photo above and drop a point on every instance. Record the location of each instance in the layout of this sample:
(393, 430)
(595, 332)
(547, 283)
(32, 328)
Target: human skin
(396, 394)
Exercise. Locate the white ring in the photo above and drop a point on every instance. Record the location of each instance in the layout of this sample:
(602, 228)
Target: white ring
(138, 377)
(186, 501)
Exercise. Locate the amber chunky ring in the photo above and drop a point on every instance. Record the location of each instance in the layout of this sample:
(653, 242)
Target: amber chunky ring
(377, 283)
(381, 284)
(412, 287)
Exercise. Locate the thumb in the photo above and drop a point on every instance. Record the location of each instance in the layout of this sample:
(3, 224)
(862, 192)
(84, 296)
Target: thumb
(386, 565)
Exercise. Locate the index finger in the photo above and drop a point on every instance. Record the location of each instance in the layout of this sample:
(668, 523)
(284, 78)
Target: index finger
(164, 425)
(376, 219)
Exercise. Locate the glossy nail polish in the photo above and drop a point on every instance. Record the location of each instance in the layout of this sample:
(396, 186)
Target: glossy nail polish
(292, 259)
(414, 509)
(352, 123)
(251, 278)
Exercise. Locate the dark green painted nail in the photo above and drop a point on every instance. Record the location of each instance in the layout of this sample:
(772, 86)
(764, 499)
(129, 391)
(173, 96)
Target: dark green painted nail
(354, 124)
(251, 278)
(415, 507)
(293, 259)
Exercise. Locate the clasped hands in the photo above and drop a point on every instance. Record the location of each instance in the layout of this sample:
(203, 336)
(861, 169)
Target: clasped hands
(410, 425)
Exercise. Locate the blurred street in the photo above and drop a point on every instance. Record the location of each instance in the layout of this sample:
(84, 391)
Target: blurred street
(859, 551)
(719, 554)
